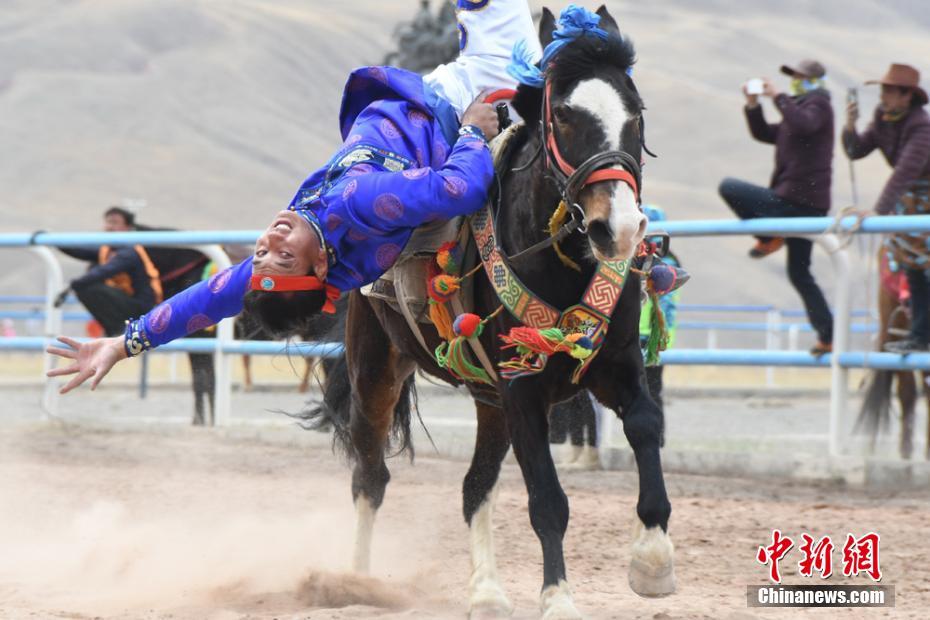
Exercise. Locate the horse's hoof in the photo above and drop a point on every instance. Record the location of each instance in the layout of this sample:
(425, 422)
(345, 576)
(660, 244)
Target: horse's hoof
(488, 602)
(651, 581)
(556, 602)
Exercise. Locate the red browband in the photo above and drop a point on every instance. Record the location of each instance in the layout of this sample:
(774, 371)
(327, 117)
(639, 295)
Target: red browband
(283, 284)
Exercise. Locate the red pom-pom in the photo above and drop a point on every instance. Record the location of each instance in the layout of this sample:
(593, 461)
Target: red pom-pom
(466, 324)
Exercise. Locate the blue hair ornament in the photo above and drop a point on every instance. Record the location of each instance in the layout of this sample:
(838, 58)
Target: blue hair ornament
(574, 22)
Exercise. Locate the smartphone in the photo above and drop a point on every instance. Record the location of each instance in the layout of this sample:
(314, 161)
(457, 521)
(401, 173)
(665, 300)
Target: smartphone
(852, 95)
(754, 86)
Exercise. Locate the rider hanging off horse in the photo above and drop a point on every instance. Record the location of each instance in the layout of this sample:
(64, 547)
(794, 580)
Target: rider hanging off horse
(416, 151)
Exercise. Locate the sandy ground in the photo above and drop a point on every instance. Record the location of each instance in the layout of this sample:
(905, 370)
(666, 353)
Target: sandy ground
(172, 522)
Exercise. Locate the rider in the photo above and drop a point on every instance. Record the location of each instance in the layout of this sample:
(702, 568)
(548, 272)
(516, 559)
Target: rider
(415, 150)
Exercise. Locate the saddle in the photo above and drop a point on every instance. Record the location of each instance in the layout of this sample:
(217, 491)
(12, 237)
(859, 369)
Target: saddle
(403, 286)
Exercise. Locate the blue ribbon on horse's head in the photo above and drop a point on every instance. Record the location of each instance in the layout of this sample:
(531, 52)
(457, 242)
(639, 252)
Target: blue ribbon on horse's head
(574, 22)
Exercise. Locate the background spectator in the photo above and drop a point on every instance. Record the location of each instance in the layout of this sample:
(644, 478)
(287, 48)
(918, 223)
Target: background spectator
(900, 129)
(122, 282)
(800, 184)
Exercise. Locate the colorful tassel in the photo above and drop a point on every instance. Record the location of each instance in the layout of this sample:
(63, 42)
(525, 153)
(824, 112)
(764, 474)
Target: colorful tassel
(658, 332)
(467, 325)
(555, 223)
(534, 346)
(448, 257)
(439, 315)
(442, 287)
(453, 356)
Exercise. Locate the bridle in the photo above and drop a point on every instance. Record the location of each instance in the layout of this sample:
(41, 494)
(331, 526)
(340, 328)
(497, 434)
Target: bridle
(603, 166)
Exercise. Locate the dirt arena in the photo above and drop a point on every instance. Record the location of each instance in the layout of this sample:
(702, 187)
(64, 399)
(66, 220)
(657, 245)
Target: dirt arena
(186, 524)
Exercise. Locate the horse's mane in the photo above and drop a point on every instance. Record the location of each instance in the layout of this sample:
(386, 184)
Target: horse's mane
(579, 60)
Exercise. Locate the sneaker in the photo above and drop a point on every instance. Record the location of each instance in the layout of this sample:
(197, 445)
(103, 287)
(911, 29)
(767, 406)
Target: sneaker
(764, 248)
(908, 345)
(821, 348)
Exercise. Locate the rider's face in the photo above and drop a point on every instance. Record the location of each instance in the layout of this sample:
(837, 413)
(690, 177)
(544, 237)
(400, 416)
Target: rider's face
(287, 247)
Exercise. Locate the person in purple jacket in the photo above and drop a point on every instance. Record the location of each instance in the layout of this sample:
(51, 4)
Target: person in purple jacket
(414, 150)
(800, 184)
(900, 129)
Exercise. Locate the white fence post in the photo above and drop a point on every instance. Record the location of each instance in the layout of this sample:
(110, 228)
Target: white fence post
(839, 376)
(54, 284)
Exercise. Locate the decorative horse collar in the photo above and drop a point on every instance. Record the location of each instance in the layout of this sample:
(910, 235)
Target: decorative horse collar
(578, 330)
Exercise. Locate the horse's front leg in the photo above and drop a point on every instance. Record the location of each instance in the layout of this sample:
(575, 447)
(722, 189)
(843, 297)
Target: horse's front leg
(527, 417)
(479, 491)
(652, 570)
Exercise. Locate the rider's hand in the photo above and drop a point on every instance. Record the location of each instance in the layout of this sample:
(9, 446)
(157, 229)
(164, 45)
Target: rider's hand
(483, 116)
(852, 115)
(94, 359)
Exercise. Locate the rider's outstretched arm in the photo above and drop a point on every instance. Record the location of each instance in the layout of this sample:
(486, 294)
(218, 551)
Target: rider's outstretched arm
(199, 306)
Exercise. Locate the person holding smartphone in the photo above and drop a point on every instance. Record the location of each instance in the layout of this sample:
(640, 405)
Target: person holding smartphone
(900, 129)
(800, 183)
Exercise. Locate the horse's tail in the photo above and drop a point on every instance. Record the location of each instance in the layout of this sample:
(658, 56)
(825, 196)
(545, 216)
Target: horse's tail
(334, 412)
(875, 414)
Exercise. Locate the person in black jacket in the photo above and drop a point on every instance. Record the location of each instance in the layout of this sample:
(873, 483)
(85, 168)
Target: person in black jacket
(122, 283)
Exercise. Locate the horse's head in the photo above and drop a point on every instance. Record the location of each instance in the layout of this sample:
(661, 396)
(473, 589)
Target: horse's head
(591, 117)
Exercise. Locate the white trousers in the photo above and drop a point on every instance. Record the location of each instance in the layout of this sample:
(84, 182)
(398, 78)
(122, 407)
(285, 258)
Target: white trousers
(488, 29)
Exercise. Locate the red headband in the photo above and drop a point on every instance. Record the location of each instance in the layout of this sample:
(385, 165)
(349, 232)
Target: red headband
(283, 284)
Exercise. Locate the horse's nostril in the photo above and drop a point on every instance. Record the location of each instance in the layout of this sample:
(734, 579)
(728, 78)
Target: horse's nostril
(599, 233)
(643, 223)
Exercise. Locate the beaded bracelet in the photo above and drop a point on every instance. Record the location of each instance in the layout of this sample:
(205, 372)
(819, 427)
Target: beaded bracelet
(135, 339)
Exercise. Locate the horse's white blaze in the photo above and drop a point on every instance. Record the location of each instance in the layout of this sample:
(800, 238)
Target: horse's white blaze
(600, 99)
(557, 604)
(364, 525)
(652, 567)
(486, 590)
(627, 222)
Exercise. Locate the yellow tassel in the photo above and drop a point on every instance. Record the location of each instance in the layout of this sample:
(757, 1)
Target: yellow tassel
(555, 223)
(441, 318)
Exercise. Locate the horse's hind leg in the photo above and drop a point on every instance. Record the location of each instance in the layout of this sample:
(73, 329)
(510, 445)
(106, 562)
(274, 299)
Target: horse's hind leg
(526, 412)
(376, 374)
(907, 396)
(479, 491)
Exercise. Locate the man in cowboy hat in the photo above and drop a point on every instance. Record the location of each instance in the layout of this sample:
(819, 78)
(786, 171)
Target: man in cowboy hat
(800, 183)
(900, 129)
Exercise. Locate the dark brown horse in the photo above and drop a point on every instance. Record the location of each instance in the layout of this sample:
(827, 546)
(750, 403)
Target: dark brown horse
(596, 110)
(894, 323)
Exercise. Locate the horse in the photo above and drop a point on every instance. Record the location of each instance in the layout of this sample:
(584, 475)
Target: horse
(894, 322)
(588, 116)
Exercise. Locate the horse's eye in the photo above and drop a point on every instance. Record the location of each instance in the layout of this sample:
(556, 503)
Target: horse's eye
(562, 113)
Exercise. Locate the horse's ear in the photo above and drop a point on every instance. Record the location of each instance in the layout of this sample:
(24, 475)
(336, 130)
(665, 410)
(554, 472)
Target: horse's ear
(607, 21)
(547, 26)
(528, 104)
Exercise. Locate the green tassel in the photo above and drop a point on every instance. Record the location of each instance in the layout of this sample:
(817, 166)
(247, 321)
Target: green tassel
(453, 357)
(658, 333)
